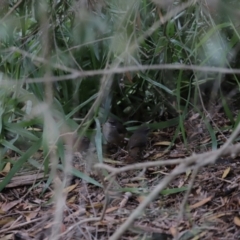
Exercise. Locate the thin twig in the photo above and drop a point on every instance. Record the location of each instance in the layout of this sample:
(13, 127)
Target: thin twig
(115, 171)
(19, 225)
(184, 201)
(11, 10)
(166, 180)
(75, 73)
(106, 199)
(80, 223)
(206, 158)
(199, 161)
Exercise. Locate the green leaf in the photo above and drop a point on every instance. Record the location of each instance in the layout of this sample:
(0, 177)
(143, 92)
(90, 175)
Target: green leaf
(18, 165)
(173, 190)
(17, 129)
(170, 29)
(98, 141)
(163, 192)
(83, 176)
(9, 145)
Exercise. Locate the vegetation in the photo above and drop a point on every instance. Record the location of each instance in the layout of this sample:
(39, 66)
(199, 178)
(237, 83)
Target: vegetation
(65, 65)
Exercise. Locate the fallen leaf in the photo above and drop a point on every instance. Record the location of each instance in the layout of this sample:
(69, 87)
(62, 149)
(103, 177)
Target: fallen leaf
(108, 160)
(63, 228)
(194, 116)
(163, 143)
(236, 220)
(7, 237)
(125, 199)
(7, 206)
(72, 199)
(158, 155)
(132, 184)
(173, 231)
(141, 198)
(70, 188)
(201, 203)
(25, 180)
(94, 205)
(129, 76)
(176, 155)
(6, 168)
(6, 220)
(2, 212)
(226, 172)
(188, 173)
(181, 183)
(112, 209)
(31, 215)
(219, 215)
(34, 129)
(38, 155)
(206, 140)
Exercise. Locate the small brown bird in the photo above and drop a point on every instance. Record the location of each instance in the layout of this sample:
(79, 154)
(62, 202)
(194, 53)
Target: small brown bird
(84, 144)
(81, 144)
(113, 131)
(138, 141)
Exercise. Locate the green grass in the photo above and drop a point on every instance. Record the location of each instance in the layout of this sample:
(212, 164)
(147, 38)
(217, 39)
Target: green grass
(56, 40)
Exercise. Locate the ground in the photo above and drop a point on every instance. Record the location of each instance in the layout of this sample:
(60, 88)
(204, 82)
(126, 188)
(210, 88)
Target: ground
(200, 203)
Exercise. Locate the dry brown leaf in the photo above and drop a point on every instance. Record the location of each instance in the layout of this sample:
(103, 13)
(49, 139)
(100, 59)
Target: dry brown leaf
(6, 169)
(199, 236)
(63, 228)
(70, 188)
(125, 199)
(194, 116)
(102, 223)
(226, 172)
(201, 203)
(198, 191)
(133, 185)
(111, 220)
(72, 199)
(38, 155)
(7, 237)
(2, 212)
(158, 155)
(111, 209)
(181, 183)
(176, 155)
(48, 225)
(188, 173)
(6, 220)
(219, 215)
(25, 180)
(206, 140)
(140, 198)
(30, 216)
(236, 220)
(7, 206)
(39, 201)
(162, 143)
(34, 129)
(173, 231)
(129, 76)
(94, 205)
(79, 212)
(109, 160)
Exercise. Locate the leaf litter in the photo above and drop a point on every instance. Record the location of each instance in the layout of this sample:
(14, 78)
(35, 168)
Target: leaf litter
(211, 210)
